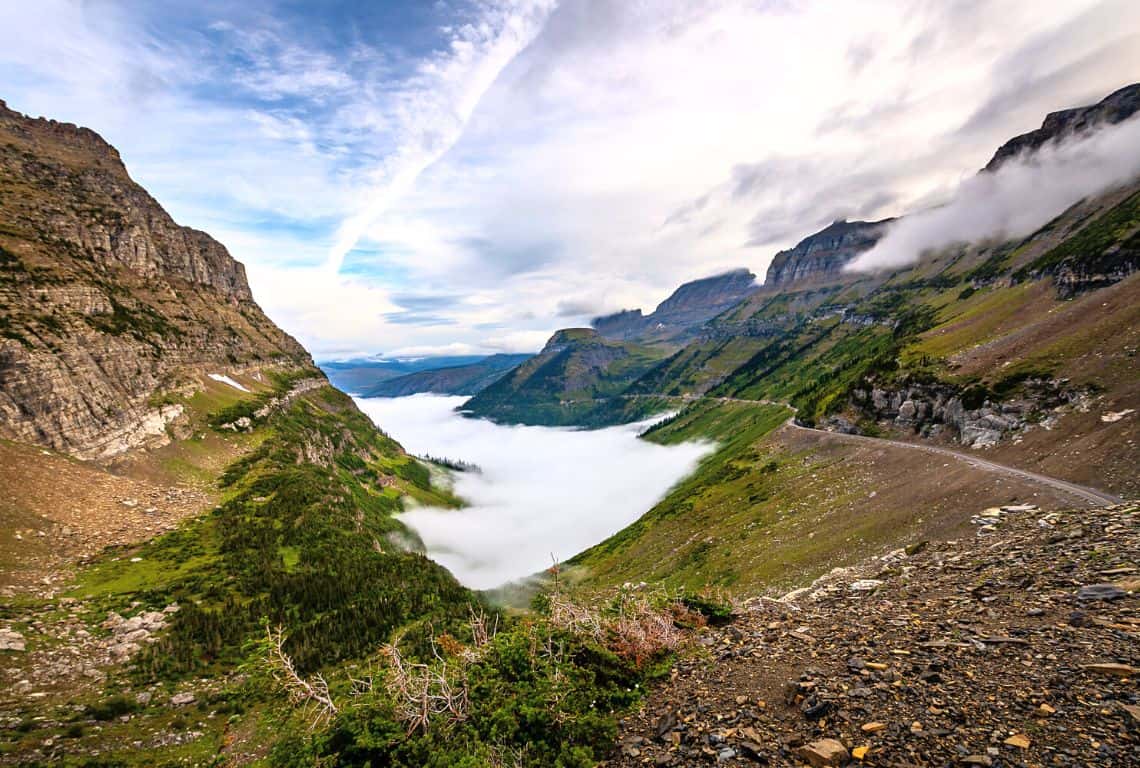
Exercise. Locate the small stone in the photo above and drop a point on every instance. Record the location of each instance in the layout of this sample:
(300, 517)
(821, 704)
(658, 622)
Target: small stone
(11, 640)
(1118, 670)
(1045, 709)
(860, 752)
(1018, 740)
(872, 727)
(182, 699)
(824, 753)
(983, 760)
(1100, 592)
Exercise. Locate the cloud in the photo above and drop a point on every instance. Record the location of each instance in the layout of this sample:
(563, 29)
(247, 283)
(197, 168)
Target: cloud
(433, 109)
(542, 491)
(1016, 200)
(530, 158)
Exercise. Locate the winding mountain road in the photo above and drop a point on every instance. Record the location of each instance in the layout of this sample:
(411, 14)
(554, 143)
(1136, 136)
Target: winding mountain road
(1093, 496)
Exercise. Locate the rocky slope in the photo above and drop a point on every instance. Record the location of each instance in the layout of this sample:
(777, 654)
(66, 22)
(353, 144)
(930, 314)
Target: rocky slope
(467, 379)
(106, 304)
(822, 256)
(686, 309)
(1014, 646)
(1114, 108)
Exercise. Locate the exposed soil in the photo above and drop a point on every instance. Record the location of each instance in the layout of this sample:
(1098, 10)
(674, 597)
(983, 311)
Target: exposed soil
(56, 511)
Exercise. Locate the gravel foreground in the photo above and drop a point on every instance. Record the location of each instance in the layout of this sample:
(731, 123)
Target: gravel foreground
(1017, 646)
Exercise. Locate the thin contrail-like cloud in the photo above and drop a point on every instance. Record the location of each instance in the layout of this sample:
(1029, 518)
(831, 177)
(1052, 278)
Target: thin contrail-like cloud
(440, 103)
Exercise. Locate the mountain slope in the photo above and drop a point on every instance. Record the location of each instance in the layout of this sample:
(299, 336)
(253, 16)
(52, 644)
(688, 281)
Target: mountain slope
(105, 303)
(565, 382)
(468, 379)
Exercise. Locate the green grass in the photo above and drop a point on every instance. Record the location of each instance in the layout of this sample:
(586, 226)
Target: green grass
(686, 539)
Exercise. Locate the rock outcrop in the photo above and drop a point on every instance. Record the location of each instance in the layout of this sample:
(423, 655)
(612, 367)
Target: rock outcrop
(1057, 126)
(977, 420)
(105, 302)
(822, 256)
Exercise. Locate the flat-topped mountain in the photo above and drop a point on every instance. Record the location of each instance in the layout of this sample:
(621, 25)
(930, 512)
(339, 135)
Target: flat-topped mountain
(1114, 108)
(687, 308)
(822, 256)
(105, 302)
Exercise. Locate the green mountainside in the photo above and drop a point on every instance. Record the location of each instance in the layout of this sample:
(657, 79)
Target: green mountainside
(577, 371)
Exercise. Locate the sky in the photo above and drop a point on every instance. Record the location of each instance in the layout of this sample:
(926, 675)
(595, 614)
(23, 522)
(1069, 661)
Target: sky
(541, 492)
(465, 176)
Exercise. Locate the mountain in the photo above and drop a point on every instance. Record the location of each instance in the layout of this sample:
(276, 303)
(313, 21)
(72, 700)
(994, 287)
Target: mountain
(468, 379)
(1057, 126)
(822, 256)
(359, 374)
(106, 304)
(686, 309)
(849, 413)
(576, 370)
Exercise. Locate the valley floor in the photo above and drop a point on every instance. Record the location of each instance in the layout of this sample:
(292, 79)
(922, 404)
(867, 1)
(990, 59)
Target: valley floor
(1016, 647)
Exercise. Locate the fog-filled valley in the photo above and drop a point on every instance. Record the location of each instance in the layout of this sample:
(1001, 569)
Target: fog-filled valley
(536, 492)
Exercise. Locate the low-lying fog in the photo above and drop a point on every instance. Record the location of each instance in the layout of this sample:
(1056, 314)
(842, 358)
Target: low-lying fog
(541, 491)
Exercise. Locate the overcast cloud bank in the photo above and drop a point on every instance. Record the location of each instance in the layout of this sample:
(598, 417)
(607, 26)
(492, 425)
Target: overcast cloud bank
(1018, 199)
(542, 491)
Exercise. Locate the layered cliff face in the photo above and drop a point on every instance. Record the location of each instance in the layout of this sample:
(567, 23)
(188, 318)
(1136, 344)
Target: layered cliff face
(1114, 108)
(105, 302)
(686, 309)
(822, 256)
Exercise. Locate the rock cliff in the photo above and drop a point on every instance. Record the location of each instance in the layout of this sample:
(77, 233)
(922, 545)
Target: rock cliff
(686, 309)
(1114, 108)
(822, 256)
(105, 302)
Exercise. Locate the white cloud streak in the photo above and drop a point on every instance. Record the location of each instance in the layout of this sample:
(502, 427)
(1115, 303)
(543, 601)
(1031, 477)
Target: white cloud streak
(434, 111)
(1023, 195)
(542, 491)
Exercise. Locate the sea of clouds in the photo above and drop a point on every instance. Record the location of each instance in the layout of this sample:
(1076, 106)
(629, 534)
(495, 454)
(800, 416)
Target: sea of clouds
(542, 491)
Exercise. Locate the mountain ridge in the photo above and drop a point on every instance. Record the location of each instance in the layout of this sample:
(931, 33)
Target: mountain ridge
(107, 302)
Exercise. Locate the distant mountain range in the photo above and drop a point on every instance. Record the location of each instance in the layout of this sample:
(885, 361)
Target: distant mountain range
(451, 379)
(359, 375)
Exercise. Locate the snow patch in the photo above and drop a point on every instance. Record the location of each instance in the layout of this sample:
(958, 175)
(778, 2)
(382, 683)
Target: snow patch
(227, 380)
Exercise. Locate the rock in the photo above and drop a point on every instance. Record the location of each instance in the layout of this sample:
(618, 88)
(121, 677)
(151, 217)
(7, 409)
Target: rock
(1117, 670)
(1100, 592)
(865, 585)
(11, 640)
(824, 753)
(983, 760)
(182, 699)
(860, 752)
(1018, 740)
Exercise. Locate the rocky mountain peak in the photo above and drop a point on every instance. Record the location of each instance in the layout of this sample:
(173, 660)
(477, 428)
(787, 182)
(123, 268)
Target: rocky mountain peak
(111, 219)
(1066, 123)
(822, 256)
(106, 302)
